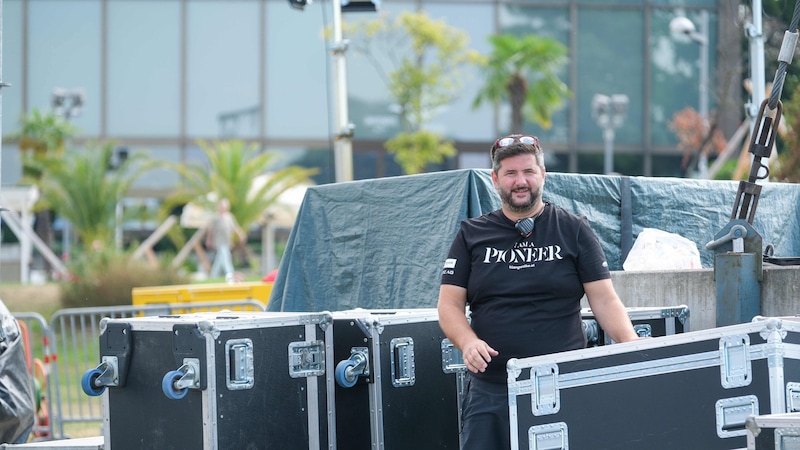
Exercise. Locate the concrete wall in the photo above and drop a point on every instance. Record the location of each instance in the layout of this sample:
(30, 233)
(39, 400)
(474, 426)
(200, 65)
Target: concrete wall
(780, 292)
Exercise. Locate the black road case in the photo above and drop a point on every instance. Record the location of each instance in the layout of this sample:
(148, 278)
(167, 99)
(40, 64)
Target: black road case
(392, 390)
(216, 381)
(773, 432)
(689, 391)
(648, 321)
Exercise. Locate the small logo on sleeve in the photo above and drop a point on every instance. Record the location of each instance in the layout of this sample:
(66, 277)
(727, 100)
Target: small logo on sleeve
(449, 265)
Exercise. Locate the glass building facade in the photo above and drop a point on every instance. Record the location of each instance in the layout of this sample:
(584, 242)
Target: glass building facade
(160, 75)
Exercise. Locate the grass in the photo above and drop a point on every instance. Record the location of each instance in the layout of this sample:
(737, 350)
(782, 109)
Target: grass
(43, 299)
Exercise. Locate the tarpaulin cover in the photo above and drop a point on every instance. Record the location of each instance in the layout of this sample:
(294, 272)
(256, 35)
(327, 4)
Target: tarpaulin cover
(381, 243)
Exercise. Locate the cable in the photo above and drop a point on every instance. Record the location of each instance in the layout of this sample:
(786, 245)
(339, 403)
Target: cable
(785, 57)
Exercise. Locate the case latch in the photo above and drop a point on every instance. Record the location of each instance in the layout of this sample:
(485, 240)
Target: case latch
(240, 373)
(306, 359)
(732, 414)
(643, 330)
(792, 397)
(735, 366)
(551, 436)
(452, 358)
(403, 364)
(545, 398)
(787, 438)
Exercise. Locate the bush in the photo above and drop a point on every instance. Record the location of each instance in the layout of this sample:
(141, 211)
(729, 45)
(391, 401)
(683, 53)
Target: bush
(106, 278)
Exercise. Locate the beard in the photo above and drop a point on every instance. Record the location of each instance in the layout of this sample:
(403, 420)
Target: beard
(521, 207)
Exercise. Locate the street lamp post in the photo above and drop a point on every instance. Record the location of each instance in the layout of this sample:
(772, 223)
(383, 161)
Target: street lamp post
(682, 25)
(609, 114)
(343, 129)
(343, 137)
(118, 159)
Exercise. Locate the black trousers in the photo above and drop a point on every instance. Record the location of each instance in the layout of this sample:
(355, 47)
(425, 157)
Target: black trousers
(484, 416)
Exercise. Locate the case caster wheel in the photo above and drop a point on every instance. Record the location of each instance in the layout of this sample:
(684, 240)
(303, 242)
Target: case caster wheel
(348, 370)
(88, 383)
(344, 374)
(168, 385)
(95, 381)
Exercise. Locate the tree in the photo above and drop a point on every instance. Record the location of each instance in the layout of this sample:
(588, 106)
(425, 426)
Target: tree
(414, 151)
(232, 168)
(41, 135)
(425, 71)
(80, 187)
(696, 139)
(523, 71)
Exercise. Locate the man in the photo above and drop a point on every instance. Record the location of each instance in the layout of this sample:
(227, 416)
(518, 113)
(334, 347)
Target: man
(523, 270)
(219, 237)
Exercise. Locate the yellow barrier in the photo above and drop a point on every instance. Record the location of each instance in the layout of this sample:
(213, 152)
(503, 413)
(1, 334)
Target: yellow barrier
(196, 293)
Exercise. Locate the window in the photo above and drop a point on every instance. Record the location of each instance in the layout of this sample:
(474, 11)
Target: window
(298, 73)
(144, 84)
(12, 69)
(610, 45)
(64, 52)
(222, 65)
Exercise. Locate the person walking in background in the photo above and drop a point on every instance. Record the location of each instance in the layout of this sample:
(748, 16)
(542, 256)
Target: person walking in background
(219, 237)
(522, 270)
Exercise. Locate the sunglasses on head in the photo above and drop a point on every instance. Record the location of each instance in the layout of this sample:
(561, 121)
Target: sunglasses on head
(506, 141)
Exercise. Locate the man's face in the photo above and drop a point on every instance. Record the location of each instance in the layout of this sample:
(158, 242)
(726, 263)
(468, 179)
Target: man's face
(519, 182)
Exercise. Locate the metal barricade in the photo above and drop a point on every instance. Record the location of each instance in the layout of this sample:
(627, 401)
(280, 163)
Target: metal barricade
(36, 337)
(75, 334)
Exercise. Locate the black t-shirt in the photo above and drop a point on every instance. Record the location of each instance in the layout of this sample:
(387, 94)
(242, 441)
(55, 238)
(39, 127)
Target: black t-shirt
(524, 293)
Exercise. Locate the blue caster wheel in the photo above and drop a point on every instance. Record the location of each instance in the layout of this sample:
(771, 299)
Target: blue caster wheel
(341, 374)
(87, 383)
(168, 385)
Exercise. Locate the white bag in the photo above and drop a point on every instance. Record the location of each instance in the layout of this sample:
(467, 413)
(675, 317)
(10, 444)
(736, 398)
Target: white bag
(656, 249)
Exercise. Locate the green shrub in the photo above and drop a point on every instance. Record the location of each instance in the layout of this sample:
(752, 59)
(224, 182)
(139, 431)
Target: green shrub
(726, 171)
(106, 278)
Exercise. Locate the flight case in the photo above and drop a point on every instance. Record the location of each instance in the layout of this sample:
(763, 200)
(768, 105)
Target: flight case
(691, 390)
(392, 390)
(773, 432)
(648, 321)
(221, 380)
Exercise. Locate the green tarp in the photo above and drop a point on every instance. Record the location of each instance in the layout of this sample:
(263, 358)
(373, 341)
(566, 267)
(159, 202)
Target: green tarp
(381, 243)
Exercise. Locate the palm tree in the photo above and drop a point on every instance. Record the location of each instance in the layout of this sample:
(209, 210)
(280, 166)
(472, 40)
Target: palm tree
(522, 71)
(79, 187)
(232, 168)
(41, 135)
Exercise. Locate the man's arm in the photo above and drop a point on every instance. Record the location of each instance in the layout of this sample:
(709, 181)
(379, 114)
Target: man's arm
(453, 320)
(236, 228)
(609, 310)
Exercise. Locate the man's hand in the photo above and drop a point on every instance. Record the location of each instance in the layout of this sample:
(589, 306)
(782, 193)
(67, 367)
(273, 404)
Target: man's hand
(477, 355)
